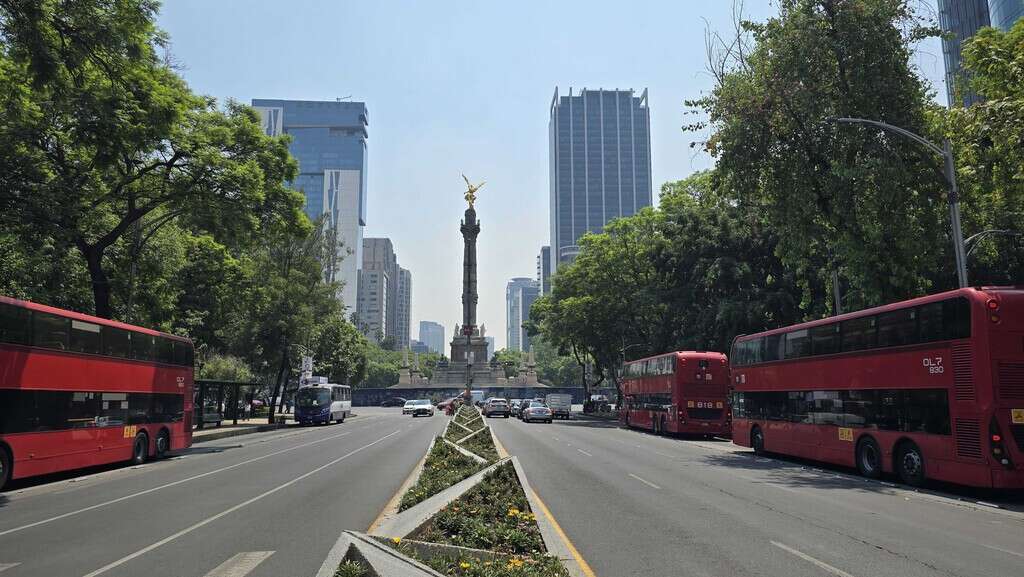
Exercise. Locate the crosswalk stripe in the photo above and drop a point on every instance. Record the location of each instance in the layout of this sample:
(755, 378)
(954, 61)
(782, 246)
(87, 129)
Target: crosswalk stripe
(6, 566)
(240, 565)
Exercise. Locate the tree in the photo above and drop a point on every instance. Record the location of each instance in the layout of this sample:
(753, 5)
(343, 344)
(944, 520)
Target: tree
(838, 197)
(340, 352)
(987, 139)
(103, 139)
(509, 360)
(221, 367)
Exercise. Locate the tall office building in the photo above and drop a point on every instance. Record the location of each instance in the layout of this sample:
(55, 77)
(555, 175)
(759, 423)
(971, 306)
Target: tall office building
(520, 293)
(544, 269)
(600, 163)
(403, 309)
(329, 141)
(378, 289)
(959, 19)
(1005, 13)
(432, 335)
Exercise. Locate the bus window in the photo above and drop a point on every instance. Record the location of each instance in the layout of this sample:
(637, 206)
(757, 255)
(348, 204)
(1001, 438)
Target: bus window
(798, 344)
(116, 342)
(772, 350)
(85, 337)
(14, 324)
(897, 328)
(50, 331)
(164, 350)
(858, 334)
(825, 339)
(143, 347)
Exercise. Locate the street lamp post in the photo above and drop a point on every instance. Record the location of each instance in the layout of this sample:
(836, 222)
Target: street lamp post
(949, 169)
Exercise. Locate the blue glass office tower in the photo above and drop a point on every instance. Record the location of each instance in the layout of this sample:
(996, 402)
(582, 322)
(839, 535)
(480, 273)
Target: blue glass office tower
(960, 19)
(1005, 13)
(600, 163)
(329, 141)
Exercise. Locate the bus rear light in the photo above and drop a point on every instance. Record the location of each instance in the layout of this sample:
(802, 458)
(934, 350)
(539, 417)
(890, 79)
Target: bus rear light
(992, 304)
(996, 444)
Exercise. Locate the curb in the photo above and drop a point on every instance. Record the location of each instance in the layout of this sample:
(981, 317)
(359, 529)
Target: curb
(471, 435)
(235, 433)
(391, 509)
(358, 546)
(552, 540)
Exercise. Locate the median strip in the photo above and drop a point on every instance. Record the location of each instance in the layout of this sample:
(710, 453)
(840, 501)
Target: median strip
(461, 518)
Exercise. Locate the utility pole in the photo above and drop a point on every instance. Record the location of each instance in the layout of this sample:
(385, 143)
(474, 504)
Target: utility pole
(949, 170)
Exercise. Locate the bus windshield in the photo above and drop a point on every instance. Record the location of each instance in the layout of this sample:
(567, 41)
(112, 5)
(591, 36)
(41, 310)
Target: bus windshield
(313, 397)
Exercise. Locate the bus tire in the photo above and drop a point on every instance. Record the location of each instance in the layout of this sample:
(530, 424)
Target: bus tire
(163, 443)
(140, 449)
(343, 415)
(910, 463)
(757, 440)
(6, 462)
(868, 457)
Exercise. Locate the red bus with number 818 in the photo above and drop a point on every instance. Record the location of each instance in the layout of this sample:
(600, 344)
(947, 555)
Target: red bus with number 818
(78, 391)
(684, 392)
(929, 388)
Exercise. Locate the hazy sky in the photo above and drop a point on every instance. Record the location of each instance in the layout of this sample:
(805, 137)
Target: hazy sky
(463, 86)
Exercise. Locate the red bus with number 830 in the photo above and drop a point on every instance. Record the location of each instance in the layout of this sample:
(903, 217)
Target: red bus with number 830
(929, 388)
(78, 391)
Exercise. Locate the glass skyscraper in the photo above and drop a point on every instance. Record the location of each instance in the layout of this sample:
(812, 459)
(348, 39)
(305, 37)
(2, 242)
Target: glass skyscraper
(600, 163)
(960, 19)
(329, 141)
(1004, 13)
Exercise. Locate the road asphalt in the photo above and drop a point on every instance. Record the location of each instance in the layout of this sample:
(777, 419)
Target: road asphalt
(635, 505)
(267, 504)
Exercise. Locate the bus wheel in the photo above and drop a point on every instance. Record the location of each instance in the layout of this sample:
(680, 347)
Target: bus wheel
(869, 458)
(163, 444)
(140, 450)
(757, 441)
(5, 467)
(342, 419)
(910, 464)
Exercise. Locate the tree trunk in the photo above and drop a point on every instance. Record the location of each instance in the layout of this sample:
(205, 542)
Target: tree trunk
(100, 283)
(277, 384)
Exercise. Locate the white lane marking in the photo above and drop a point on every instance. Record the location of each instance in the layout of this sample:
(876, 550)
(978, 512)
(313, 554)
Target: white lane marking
(809, 559)
(644, 481)
(1001, 550)
(230, 510)
(240, 565)
(556, 438)
(6, 566)
(168, 485)
(584, 452)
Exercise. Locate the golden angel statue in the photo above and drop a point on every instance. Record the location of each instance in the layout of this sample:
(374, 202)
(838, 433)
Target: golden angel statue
(471, 190)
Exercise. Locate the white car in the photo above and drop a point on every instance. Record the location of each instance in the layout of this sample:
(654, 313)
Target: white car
(536, 412)
(418, 407)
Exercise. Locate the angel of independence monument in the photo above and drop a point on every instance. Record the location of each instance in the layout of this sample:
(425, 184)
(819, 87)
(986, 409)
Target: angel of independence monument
(469, 365)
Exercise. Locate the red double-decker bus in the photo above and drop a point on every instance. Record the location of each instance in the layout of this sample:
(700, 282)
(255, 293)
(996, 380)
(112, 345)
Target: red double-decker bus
(78, 391)
(684, 392)
(930, 388)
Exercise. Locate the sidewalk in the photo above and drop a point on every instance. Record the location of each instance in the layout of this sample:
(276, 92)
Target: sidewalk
(244, 427)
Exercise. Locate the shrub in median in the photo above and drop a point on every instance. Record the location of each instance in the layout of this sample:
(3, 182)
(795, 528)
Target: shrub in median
(494, 515)
(443, 468)
(502, 566)
(481, 444)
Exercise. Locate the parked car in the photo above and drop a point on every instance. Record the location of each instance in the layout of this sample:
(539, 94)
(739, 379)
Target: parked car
(496, 407)
(443, 405)
(393, 402)
(536, 412)
(418, 407)
(560, 405)
(514, 406)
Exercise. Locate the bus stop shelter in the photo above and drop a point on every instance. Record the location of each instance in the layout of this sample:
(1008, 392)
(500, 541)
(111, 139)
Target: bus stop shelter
(218, 401)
